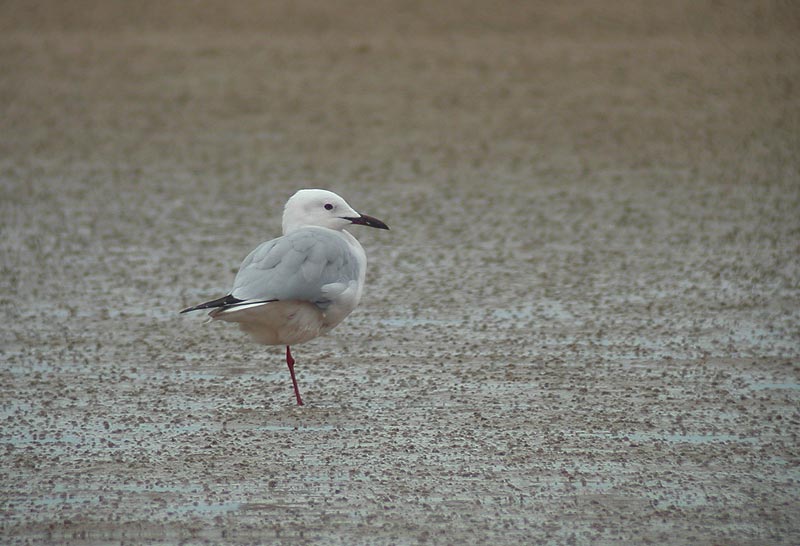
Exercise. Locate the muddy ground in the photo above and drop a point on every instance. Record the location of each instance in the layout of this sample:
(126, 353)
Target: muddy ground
(582, 327)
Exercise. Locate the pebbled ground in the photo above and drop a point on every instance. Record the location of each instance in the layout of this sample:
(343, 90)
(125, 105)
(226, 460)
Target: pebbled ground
(582, 327)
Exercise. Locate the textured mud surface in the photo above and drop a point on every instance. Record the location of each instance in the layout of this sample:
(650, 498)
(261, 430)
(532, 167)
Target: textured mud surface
(583, 326)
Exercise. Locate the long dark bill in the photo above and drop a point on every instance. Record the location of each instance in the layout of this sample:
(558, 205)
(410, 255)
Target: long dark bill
(365, 220)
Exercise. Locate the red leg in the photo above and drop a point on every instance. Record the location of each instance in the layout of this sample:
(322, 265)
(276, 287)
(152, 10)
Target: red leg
(290, 363)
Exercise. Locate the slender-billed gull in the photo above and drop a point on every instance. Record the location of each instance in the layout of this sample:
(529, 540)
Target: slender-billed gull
(299, 286)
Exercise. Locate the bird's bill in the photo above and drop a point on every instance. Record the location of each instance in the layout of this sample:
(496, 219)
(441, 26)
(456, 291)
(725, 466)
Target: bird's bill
(365, 220)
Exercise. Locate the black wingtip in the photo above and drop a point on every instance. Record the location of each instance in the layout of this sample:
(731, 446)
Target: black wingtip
(221, 302)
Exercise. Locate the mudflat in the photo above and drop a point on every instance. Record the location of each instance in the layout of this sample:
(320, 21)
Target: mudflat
(581, 328)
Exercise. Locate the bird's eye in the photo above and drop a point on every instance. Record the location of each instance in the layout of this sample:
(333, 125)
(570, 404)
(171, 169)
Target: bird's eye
(328, 206)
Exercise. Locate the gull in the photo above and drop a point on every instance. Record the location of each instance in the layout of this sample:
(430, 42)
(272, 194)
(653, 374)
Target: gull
(299, 286)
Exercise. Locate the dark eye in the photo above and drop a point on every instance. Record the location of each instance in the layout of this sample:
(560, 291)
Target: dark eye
(328, 206)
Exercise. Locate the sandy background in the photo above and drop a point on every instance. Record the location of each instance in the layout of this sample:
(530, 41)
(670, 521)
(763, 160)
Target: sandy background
(582, 327)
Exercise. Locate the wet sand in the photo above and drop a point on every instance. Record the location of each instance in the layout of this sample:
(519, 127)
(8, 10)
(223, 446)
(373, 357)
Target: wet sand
(582, 327)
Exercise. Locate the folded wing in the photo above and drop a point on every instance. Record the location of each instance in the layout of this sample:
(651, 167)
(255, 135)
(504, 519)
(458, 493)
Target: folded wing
(309, 264)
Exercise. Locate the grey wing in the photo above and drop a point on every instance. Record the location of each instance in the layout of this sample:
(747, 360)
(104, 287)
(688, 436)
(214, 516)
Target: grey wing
(308, 265)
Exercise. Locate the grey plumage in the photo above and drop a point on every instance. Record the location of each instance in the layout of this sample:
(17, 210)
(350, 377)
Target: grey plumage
(309, 264)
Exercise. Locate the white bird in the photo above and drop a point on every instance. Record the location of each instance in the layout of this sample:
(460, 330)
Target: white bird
(299, 286)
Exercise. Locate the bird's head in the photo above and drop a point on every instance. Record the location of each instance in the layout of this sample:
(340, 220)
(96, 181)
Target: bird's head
(323, 208)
